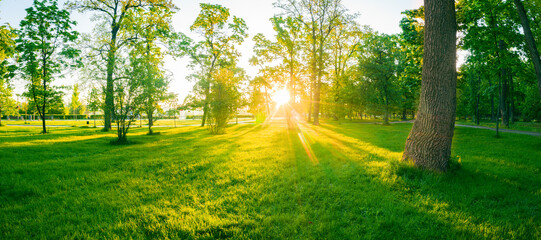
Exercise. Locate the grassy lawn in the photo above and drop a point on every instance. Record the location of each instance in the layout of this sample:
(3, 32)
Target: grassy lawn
(265, 181)
(522, 126)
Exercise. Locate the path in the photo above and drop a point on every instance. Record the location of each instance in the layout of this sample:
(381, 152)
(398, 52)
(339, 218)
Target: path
(535, 134)
(135, 125)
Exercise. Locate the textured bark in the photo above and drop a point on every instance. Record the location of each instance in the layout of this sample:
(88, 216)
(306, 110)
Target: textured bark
(109, 88)
(429, 142)
(530, 41)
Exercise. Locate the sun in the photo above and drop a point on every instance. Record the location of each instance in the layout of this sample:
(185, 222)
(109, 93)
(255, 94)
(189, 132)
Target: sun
(281, 97)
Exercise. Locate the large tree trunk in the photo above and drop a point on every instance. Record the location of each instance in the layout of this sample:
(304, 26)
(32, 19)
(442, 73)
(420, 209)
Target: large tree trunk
(530, 41)
(429, 142)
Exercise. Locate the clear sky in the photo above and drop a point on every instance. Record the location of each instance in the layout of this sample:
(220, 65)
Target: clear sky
(382, 15)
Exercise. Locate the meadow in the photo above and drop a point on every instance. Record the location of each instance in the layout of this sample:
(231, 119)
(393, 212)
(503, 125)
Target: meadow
(265, 181)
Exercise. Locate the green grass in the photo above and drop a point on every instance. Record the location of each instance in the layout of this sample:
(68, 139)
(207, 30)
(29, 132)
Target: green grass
(521, 126)
(258, 182)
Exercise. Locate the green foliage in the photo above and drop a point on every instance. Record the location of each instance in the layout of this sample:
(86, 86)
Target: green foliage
(224, 98)
(220, 33)
(378, 59)
(76, 107)
(411, 59)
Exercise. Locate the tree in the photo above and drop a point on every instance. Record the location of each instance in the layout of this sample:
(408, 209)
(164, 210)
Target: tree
(411, 59)
(224, 98)
(345, 41)
(76, 107)
(530, 41)
(220, 33)
(153, 26)
(429, 142)
(7, 70)
(127, 92)
(377, 62)
(8, 106)
(44, 43)
(114, 13)
(94, 102)
(318, 18)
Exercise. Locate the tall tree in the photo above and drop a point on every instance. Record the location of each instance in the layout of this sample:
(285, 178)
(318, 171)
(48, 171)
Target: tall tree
(44, 42)
(114, 13)
(153, 28)
(319, 18)
(429, 142)
(220, 33)
(530, 41)
(378, 65)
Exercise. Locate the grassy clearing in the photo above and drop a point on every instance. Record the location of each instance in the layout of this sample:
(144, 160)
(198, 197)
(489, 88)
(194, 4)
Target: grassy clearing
(265, 181)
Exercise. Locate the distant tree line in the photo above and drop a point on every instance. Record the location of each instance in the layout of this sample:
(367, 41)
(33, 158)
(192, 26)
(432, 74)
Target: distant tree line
(332, 66)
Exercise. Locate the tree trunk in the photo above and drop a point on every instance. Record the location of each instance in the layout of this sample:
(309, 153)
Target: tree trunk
(477, 99)
(150, 122)
(530, 41)
(310, 100)
(511, 99)
(492, 115)
(206, 105)
(109, 88)
(429, 142)
(502, 85)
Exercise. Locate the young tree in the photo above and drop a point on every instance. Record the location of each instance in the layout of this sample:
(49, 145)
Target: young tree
(44, 43)
(94, 102)
(76, 107)
(127, 92)
(429, 142)
(8, 106)
(223, 99)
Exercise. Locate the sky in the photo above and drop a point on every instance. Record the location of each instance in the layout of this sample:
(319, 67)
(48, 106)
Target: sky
(382, 15)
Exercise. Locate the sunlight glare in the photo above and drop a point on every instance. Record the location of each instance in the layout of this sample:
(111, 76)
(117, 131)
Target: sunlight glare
(281, 97)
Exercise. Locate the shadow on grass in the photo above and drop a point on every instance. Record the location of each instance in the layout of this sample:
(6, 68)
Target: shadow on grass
(255, 181)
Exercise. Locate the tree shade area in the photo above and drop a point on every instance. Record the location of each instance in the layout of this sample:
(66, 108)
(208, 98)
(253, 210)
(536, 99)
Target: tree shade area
(327, 129)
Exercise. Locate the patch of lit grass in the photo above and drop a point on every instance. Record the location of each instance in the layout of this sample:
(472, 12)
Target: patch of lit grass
(258, 182)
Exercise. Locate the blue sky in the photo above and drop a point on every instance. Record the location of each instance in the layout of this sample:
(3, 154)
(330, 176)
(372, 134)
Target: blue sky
(382, 15)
